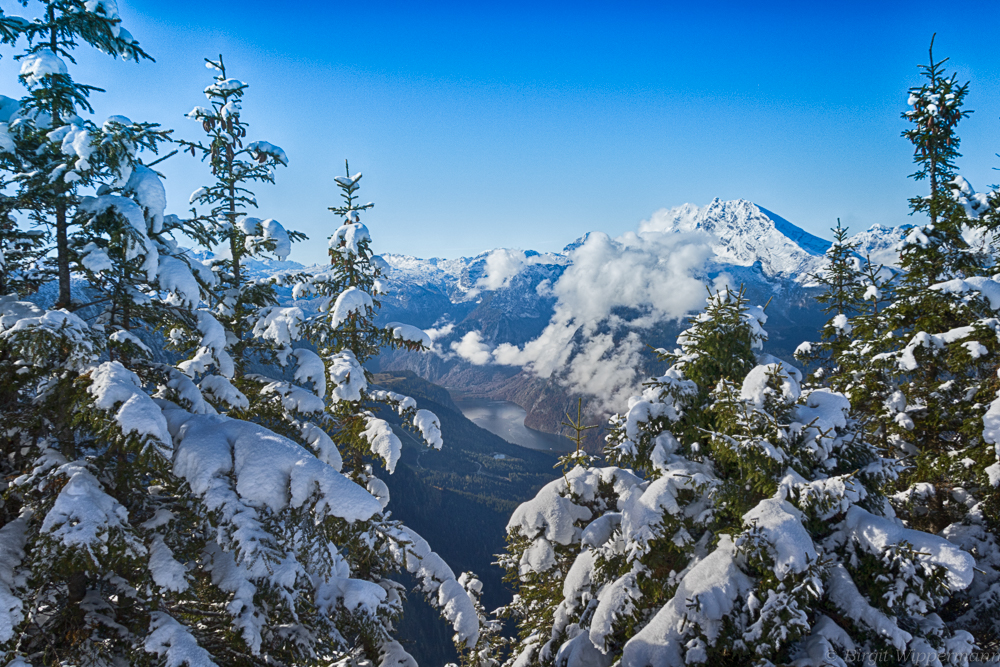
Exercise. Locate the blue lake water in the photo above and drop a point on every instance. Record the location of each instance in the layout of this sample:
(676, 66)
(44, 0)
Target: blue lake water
(506, 420)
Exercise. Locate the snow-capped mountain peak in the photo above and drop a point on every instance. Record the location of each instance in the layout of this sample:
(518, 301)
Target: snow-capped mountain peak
(878, 243)
(745, 233)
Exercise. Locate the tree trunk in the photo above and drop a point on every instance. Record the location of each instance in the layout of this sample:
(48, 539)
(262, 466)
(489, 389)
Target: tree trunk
(62, 257)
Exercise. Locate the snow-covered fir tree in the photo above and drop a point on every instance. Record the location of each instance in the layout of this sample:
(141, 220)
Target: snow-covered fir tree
(842, 298)
(750, 530)
(922, 368)
(340, 305)
(52, 149)
(856, 294)
(256, 333)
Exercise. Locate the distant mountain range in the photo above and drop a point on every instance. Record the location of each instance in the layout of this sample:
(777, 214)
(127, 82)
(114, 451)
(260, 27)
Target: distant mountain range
(540, 329)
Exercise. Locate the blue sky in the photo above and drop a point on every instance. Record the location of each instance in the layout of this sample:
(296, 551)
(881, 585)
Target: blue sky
(528, 124)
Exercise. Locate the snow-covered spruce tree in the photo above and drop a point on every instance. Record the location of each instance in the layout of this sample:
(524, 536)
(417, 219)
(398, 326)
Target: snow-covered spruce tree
(856, 296)
(945, 355)
(20, 249)
(759, 538)
(21, 252)
(138, 529)
(242, 324)
(920, 370)
(51, 156)
(945, 343)
(342, 303)
(842, 298)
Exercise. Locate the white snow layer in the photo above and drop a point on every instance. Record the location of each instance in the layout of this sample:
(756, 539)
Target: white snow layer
(877, 533)
(112, 385)
(83, 515)
(166, 571)
(280, 325)
(176, 277)
(38, 65)
(348, 236)
(168, 638)
(268, 149)
(139, 243)
(326, 449)
(13, 537)
(265, 232)
(350, 301)
(234, 465)
(435, 576)
(383, 442)
(430, 427)
(706, 594)
(755, 387)
(310, 368)
(211, 349)
(551, 516)
(147, 189)
(409, 333)
(991, 434)
(347, 376)
(780, 524)
(989, 288)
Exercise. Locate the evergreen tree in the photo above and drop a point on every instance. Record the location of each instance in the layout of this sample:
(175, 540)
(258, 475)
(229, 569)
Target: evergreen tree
(257, 332)
(921, 370)
(56, 152)
(343, 302)
(758, 533)
(842, 297)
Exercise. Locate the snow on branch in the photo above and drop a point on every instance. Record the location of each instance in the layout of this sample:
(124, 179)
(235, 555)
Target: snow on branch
(878, 533)
(310, 368)
(263, 150)
(435, 576)
(13, 537)
(41, 337)
(347, 376)
(383, 441)
(85, 518)
(237, 466)
(168, 638)
(707, 594)
(409, 334)
(279, 325)
(430, 427)
(351, 301)
(117, 389)
(211, 349)
(347, 237)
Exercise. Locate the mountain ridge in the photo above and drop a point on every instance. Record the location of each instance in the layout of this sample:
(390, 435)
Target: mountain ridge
(512, 301)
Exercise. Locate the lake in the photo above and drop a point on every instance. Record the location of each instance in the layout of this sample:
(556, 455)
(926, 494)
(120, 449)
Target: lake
(506, 420)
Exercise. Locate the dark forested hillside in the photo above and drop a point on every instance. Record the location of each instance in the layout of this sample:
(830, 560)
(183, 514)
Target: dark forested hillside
(459, 499)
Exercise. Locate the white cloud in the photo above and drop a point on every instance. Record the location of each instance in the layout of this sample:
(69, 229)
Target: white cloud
(504, 264)
(650, 272)
(437, 332)
(472, 348)
(501, 266)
